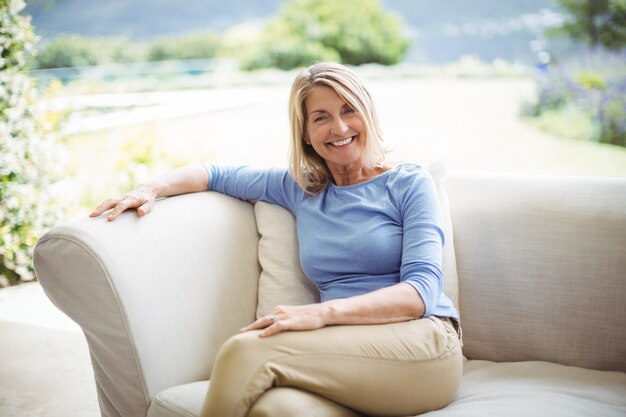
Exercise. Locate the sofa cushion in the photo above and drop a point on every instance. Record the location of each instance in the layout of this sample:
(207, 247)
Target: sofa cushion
(488, 389)
(541, 267)
(282, 281)
(180, 401)
(538, 389)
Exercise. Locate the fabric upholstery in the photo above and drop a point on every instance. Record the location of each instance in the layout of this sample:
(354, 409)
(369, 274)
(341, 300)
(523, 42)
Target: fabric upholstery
(179, 401)
(537, 389)
(488, 389)
(282, 280)
(542, 267)
(152, 294)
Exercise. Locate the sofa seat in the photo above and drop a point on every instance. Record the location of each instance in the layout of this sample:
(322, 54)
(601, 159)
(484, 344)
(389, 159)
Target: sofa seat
(536, 389)
(180, 401)
(488, 389)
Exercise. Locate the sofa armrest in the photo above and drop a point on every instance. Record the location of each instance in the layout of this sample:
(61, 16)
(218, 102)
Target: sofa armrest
(156, 296)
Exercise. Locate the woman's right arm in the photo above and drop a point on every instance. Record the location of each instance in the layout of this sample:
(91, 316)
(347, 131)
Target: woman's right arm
(189, 179)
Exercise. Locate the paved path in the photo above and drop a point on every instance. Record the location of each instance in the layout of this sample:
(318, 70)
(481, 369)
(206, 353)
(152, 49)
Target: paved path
(45, 370)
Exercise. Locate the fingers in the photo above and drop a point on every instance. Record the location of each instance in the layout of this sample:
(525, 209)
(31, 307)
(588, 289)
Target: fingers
(275, 325)
(283, 320)
(139, 198)
(270, 325)
(261, 323)
(104, 206)
(145, 208)
(118, 205)
(121, 207)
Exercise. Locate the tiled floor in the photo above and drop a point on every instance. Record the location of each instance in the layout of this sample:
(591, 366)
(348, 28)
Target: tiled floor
(44, 361)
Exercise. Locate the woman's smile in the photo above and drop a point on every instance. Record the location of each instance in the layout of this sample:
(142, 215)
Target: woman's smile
(343, 142)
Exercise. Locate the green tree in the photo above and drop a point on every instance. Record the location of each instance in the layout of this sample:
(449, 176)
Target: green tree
(353, 32)
(595, 22)
(29, 153)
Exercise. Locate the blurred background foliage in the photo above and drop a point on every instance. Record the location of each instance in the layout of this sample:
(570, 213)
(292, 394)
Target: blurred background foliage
(583, 97)
(576, 59)
(191, 46)
(583, 94)
(31, 155)
(77, 51)
(352, 32)
(597, 23)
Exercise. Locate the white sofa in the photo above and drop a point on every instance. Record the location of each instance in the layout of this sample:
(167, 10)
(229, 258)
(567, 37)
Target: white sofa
(538, 264)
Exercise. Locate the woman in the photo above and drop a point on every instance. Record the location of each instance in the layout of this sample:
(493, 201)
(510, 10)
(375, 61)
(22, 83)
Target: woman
(383, 340)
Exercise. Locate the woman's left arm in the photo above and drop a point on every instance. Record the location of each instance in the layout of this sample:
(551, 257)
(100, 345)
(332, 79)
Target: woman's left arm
(400, 302)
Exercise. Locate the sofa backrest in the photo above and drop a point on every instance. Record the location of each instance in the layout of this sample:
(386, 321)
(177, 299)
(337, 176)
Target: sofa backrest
(542, 267)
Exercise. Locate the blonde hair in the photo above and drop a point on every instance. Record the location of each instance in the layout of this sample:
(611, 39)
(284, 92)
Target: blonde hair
(306, 166)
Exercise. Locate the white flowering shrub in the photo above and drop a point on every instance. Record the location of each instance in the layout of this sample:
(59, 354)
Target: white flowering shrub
(31, 158)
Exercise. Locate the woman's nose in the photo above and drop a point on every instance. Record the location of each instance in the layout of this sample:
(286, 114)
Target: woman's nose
(339, 127)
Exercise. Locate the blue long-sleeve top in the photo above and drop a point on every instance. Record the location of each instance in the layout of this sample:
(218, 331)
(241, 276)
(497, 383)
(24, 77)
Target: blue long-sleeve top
(357, 238)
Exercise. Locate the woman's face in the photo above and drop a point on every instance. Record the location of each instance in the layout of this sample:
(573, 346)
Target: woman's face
(334, 129)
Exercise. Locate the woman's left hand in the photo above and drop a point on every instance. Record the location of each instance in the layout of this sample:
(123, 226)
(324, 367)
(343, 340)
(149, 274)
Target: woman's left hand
(400, 302)
(285, 318)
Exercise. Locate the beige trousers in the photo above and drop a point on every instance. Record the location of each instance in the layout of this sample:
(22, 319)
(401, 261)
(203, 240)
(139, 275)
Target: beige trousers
(396, 369)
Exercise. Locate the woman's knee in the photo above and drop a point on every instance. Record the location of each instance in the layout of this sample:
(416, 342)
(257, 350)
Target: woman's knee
(239, 347)
(247, 350)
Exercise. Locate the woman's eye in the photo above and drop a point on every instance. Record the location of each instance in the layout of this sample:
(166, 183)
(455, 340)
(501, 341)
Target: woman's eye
(319, 119)
(348, 110)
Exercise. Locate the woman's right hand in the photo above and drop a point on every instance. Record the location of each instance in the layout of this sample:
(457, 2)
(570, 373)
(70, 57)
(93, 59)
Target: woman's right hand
(142, 198)
(189, 179)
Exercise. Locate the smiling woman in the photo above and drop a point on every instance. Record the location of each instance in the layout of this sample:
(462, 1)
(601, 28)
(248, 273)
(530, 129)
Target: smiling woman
(334, 129)
(331, 110)
(371, 240)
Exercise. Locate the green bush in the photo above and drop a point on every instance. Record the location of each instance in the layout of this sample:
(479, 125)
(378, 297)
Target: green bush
(76, 51)
(353, 32)
(590, 85)
(291, 54)
(29, 153)
(191, 46)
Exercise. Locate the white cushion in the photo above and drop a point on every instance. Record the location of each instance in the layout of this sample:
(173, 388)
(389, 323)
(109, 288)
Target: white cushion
(537, 389)
(282, 281)
(180, 401)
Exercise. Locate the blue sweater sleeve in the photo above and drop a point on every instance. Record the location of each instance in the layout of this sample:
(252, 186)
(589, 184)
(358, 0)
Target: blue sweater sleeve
(273, 185)
(423, 238)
